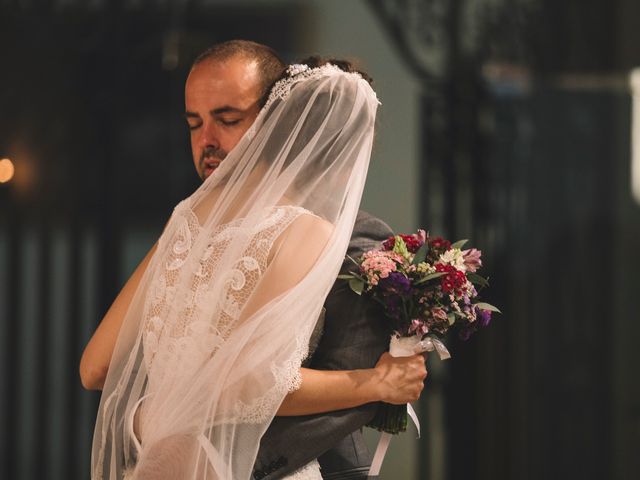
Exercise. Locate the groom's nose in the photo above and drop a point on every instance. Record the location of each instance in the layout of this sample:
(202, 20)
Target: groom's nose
(208, 136)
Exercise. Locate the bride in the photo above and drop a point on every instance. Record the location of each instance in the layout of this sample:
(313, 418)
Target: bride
(213, 338)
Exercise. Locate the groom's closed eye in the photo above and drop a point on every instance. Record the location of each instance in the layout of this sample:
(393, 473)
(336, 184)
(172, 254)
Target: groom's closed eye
(229, 121)
(228, 116)
(193, 120)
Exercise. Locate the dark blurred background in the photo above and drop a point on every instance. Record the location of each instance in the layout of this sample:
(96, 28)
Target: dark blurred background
(508, 122)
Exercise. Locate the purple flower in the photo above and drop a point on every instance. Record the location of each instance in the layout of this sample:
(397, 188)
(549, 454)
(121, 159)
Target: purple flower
(483, 316)
(397, 283)
(392, 305)
(465, 333)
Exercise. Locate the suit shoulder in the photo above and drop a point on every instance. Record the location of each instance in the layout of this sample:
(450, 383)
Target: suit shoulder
(370, 227)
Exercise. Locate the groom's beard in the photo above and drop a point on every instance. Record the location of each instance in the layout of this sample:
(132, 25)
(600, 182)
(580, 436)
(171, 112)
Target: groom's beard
(210, 160)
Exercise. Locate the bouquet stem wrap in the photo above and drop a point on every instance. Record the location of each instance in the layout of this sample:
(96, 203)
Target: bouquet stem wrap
(393, 418)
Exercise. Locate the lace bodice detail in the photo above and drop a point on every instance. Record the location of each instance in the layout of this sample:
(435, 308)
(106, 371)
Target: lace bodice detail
(194, 337)
(310, 471)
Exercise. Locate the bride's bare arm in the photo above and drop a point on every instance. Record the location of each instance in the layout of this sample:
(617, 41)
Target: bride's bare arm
(96, 357)
(392, 380)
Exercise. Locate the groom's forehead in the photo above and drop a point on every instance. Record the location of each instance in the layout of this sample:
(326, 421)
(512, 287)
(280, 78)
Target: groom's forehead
(213, 84)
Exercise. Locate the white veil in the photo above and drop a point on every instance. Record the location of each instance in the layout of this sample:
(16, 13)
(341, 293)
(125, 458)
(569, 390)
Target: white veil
(214, 337)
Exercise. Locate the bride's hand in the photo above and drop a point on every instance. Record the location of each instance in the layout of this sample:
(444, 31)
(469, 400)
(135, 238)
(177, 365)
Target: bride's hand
(400, 379)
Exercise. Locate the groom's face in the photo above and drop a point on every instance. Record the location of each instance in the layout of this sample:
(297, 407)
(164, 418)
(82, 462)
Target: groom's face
(222, 99)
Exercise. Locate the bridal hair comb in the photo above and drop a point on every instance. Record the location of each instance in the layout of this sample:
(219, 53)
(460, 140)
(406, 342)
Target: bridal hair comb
(298, 72)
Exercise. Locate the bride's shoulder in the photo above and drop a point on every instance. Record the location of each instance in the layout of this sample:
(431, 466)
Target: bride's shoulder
(308, 223)
(307, 234)
(301, 219)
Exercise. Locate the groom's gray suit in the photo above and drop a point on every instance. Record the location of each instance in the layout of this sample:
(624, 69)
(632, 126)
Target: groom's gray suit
(354, 337)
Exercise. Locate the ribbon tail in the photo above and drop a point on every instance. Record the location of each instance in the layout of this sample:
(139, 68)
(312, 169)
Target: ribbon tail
(430, 344)
(414, 417)
(378, 457)
(383, 445)
(443, 353)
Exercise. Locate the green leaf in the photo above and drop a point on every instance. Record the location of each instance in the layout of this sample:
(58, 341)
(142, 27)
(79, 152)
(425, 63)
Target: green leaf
(421, 254)
(351, 258)
(356, 285)
(486, 306)
(452, 318)
(431, 276)
(459, 244)
(477, 279)
(350, 275)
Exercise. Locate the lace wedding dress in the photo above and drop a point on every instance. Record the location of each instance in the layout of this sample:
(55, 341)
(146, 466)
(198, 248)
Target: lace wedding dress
(311, 471)
(192, 341)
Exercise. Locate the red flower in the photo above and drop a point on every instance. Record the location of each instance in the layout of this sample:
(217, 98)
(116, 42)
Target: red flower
(439, 242)
(454, 280)
(389, 243)
(413, 242)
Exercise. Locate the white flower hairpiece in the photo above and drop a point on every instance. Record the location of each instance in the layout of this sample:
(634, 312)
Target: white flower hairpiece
(298, 72)
(296, 69)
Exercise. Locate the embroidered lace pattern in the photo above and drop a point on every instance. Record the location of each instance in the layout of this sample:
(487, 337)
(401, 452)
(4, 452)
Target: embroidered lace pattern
(288, 379)
(310, 471)
(194, 337)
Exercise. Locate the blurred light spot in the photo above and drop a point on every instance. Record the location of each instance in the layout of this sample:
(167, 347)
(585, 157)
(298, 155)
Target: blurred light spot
(6, 170)
(634, 80)
(171, 50)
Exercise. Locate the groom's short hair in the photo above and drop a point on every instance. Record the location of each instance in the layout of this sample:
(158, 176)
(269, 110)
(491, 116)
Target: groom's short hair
(270, 65)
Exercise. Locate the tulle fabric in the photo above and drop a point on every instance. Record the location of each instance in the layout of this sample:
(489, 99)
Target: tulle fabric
(216, 332)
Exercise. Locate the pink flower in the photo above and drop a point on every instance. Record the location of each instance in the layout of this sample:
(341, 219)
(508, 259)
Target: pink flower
(439, 313)
(470, 313)
(379, 264)
(472, 259)
(419, 327)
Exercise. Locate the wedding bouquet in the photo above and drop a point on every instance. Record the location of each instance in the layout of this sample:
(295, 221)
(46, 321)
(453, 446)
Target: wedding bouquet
(426, 287)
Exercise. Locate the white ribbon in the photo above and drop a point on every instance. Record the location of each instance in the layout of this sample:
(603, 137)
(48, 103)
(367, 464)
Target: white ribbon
(405, 347)
(383, 444)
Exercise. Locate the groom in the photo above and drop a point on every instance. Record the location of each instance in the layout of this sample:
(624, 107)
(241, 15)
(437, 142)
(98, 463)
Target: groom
(223, 95)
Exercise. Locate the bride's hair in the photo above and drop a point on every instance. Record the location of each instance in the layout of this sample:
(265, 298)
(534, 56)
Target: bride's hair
(315, 61)
(323, 104)
(344, 65)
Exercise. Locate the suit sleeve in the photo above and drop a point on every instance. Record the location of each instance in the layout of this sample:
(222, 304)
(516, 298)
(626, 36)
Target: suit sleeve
(354, 337)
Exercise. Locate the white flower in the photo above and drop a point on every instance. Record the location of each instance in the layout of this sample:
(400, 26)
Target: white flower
(425, 268)
(455, 258)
